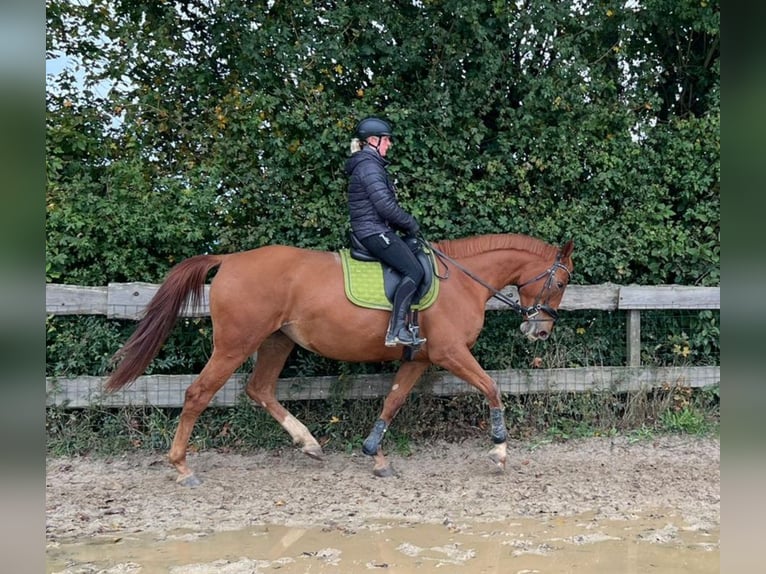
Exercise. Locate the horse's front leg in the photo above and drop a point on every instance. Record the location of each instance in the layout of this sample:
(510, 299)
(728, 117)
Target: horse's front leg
(499, 453)
(462, 363)
(406, 377)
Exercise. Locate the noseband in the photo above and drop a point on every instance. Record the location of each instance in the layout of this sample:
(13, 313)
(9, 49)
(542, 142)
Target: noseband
(528, 313)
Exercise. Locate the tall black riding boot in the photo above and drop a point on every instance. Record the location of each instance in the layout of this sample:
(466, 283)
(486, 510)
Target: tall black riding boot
(398, 331)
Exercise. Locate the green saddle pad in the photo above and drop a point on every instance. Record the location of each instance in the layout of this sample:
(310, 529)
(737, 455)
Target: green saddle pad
(363, 283)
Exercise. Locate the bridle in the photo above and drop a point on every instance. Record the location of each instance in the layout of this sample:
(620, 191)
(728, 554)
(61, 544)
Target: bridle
(528, 313)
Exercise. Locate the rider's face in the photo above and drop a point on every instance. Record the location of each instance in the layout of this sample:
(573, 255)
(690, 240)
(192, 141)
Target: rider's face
(384, 143)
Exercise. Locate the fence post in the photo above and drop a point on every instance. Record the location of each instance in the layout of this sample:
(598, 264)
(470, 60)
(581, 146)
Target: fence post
(634, 338)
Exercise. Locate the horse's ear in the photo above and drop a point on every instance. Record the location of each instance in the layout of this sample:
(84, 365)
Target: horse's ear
(566, 251)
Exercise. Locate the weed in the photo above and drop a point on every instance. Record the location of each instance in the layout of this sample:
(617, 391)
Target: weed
(643, 433)
(401, 444)
(686, 420)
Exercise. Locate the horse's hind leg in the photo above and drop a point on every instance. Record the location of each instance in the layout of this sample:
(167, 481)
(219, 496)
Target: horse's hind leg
(213, 376)
(262, 387)
(406, 377)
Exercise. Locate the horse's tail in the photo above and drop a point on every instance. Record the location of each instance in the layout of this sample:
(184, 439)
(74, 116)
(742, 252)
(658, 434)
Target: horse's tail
(185, 282)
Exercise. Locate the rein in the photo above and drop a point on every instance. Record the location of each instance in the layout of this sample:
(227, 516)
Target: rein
(528, 313)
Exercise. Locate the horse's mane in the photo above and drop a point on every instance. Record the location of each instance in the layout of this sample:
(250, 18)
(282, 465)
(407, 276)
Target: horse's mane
(468, 246)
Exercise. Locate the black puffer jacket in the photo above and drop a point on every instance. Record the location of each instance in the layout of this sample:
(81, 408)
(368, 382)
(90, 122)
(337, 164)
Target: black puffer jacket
(371, 197)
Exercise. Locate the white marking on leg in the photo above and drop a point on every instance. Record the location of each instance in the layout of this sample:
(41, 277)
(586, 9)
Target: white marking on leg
(298, 431)
(498, 454)
(396, 386)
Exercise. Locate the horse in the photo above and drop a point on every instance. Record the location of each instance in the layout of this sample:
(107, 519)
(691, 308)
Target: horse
(271, 298)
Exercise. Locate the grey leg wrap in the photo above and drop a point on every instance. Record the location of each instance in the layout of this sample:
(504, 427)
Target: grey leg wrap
(499, 434)
(372, 442)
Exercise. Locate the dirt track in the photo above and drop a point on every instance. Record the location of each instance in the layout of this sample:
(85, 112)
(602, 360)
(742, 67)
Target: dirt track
(614, 479)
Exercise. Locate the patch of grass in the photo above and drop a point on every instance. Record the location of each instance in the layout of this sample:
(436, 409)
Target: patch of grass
(94, 430)
(643, 433)
(537, 442)
(686, 420)
(342, 424)
(400, 443)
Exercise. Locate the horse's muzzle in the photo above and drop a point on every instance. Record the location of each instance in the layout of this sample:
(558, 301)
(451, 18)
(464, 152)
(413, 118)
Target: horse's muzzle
(533, 330)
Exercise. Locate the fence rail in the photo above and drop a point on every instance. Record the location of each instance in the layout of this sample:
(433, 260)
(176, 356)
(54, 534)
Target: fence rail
(128, 301)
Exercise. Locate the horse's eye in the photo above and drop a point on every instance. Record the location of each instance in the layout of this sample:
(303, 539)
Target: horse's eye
(560, 284)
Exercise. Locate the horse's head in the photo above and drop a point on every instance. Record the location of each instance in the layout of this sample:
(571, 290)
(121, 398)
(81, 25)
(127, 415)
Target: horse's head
(541, 295)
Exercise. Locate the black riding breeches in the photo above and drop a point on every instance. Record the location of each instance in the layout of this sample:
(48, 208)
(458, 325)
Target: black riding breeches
(392, 250)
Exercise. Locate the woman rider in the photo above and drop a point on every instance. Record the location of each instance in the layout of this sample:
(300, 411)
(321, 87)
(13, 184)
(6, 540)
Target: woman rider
(376, 217)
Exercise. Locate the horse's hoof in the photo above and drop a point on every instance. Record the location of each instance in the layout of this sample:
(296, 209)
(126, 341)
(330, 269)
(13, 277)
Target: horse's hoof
(497, 461)
(190, 480)
(314, 451)
(383, 472)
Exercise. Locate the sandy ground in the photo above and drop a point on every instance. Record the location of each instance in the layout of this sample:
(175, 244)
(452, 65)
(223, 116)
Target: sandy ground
(444, 483)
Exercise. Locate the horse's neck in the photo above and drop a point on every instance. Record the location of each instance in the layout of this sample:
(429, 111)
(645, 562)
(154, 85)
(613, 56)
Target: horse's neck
(500, 259)
(502, 267)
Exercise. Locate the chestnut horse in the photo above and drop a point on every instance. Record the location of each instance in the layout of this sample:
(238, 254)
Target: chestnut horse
(271, 298)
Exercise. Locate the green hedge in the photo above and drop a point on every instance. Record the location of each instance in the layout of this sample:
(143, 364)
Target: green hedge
(213, 127)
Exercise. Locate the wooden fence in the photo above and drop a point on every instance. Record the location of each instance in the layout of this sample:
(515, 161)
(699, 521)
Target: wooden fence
(128, 301)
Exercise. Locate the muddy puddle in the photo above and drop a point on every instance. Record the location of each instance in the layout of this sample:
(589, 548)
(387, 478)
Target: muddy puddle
(660, 543)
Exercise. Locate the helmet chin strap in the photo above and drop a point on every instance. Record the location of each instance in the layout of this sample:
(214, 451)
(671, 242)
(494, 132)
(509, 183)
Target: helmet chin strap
(375, 146)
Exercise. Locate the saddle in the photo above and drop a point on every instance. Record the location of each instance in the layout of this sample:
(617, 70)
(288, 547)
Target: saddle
(370, 283)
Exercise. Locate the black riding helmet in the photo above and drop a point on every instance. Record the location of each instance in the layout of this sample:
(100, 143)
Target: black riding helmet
(372, 126)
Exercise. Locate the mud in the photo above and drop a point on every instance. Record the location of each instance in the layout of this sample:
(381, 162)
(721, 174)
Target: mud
(595, 505)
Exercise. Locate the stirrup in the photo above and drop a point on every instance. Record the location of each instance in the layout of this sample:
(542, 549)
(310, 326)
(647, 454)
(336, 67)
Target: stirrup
(393, 339)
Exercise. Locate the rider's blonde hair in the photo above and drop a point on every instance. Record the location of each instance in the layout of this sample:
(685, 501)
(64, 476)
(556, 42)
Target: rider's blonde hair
(356, 145)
